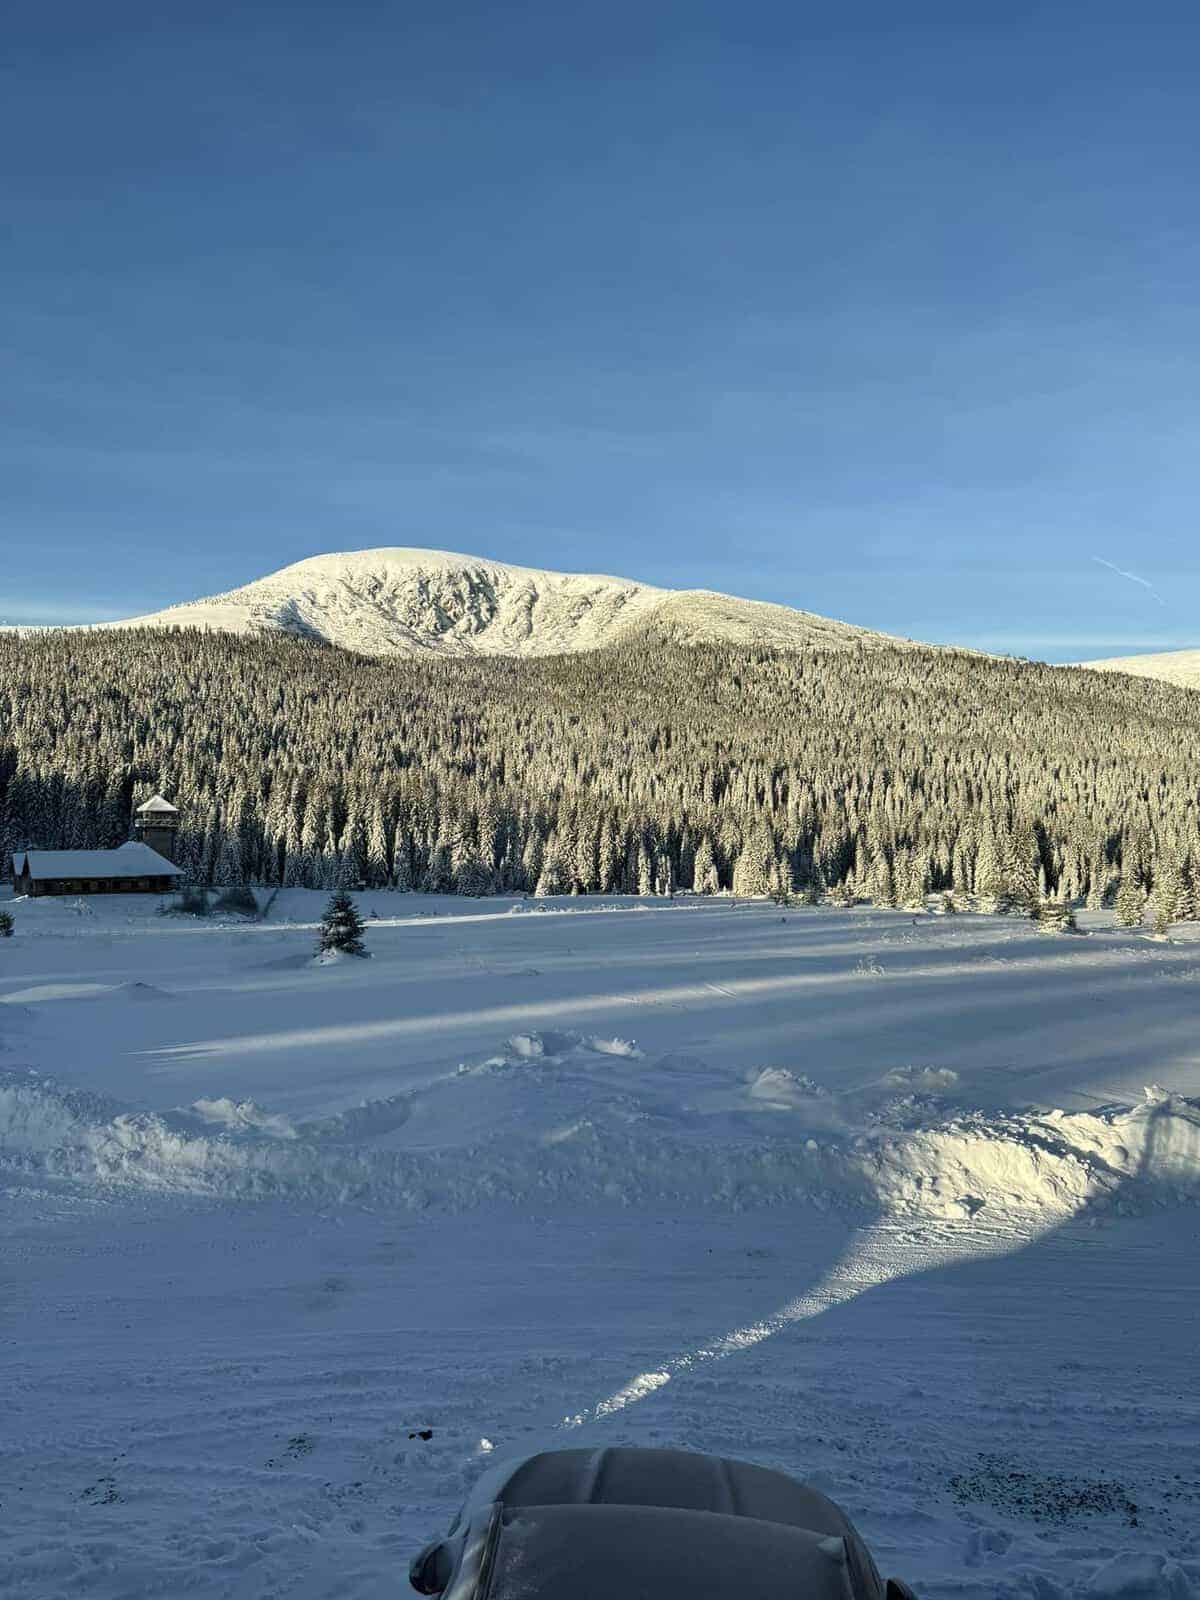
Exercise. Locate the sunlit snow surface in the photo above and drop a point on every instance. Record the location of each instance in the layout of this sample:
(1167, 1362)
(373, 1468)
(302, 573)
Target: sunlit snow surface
(1172, 666)
(902, 1204)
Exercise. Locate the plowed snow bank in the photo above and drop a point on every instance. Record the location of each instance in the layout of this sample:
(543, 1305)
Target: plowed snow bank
(913, 1158)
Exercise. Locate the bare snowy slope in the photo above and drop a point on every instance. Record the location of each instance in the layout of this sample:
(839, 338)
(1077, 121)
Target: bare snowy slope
(1172, 666)
(410, 602)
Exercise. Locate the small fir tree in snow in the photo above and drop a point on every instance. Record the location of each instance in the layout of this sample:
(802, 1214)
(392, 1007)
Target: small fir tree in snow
(1055, 916)
(342, 927)
(6, 925)
(809, 891)
(780, 893)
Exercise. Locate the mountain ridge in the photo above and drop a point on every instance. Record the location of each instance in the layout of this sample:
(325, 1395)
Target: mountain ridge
(405, 600)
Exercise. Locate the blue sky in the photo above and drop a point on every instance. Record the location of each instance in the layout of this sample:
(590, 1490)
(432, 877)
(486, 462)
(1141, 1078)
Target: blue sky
(888, 312)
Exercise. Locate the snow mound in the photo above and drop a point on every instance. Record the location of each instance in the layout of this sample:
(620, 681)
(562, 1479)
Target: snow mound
(554, 1048)
(625, 1150)
(338, 958)
(1139, 1575)
(140, 991)
(781, 1087)
(614, 1047)
(242, 1115)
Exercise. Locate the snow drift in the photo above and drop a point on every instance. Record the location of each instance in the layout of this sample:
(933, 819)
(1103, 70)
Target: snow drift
(911, 1156)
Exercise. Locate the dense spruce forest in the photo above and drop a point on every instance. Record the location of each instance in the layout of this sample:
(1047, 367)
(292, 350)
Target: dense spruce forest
(881, 773)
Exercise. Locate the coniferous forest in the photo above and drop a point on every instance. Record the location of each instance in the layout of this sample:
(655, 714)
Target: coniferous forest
(644, 769)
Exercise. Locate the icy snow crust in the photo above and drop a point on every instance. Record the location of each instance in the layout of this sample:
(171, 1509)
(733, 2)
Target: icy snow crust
(417, 602)
(902, 1204)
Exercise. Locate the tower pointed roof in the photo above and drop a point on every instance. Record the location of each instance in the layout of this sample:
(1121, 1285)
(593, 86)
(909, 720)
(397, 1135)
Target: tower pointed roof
(157, 806)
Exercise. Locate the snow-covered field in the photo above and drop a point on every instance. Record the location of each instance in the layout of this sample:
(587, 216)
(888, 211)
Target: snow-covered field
(879, 1199)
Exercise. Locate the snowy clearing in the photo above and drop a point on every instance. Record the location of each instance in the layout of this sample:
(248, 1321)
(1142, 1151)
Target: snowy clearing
(902, 1204)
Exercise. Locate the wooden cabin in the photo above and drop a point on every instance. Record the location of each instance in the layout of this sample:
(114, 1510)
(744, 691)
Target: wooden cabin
(133, 868)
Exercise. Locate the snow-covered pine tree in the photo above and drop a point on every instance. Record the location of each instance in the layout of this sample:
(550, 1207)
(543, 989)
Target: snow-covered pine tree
(228, 870)
(756, 863)
(780, 891)
(989, 873)
(554, 877)
(881, 881)
(645, 869)
(1019, 865)
(1189, 901)
(341, 926)
(298, 872)
(475, 877)
(912, 884)
(704, 869)
(440, 877)
(1098, 878)
(1168, 892)
(378, 868)
(1131, 902)
(1055, 916)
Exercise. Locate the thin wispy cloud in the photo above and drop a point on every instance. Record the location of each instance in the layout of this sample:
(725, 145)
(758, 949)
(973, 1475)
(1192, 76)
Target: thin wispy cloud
(1132, 576)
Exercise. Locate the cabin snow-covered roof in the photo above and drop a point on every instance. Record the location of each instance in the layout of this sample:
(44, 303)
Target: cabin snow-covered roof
(132, 860)
(157, 804)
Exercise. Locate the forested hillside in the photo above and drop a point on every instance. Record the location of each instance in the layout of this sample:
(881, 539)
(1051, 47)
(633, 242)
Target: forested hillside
(640, 768)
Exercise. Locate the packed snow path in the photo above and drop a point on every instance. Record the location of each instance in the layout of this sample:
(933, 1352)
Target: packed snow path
(882, 1204)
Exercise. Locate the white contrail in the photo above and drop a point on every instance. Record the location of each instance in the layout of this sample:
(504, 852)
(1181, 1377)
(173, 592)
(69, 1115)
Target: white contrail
(1132, 576)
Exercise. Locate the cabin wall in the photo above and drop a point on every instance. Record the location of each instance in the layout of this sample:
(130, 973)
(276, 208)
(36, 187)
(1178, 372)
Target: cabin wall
(75, 886)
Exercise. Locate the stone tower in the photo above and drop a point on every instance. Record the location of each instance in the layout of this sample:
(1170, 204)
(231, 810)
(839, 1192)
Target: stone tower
(156, 824)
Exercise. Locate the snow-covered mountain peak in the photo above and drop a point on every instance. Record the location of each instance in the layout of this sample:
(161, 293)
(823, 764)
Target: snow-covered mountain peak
(408, 601)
